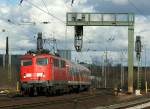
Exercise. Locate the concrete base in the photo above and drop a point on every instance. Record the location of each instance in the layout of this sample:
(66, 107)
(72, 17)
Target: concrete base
(138, 92)
(130, 90)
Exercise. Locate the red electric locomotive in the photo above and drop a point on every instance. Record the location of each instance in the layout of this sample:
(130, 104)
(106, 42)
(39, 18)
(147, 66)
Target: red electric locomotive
(46, 73)
(42, 72)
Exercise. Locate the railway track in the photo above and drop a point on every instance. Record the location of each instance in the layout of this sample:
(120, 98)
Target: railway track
(72, 100)
(136, 104)
(76, 101)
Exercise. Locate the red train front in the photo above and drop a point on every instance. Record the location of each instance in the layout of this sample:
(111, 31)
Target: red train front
(50, 74)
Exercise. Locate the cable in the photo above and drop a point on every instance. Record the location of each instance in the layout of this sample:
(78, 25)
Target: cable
(45, 12)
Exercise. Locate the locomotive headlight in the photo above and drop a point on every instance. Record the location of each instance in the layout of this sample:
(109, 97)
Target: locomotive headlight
(27, 75)
(24, 75)
(40, 74)
(43, 74)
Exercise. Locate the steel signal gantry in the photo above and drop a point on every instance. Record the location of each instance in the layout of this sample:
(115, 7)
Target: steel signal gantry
(78, 20)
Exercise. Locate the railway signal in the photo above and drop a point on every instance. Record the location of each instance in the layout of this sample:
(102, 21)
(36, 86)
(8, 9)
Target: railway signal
(39, 42)
(138, 47)
(78, 40)
(138, 50)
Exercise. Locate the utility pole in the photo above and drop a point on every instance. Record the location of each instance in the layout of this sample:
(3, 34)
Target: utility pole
(145, 76)
(123, 52)
(103, 75)
(121, 76)
(8, 61)
(7, 54)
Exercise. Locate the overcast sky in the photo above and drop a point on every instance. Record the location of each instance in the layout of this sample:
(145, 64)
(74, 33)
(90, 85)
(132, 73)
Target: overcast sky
(95, 38)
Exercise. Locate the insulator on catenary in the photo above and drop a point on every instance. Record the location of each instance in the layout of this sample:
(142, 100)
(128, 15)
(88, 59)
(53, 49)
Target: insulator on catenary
(78, 39)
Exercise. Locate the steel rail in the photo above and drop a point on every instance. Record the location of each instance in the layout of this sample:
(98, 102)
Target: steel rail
(125, 105)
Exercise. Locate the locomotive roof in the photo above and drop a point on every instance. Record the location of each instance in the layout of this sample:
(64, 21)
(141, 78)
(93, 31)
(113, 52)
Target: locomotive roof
(26, 56)
(29, 56)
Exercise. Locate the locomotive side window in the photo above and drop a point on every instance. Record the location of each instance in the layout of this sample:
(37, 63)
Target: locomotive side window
(26, 62)
(56, 62)
(42, 61)
(62, 64)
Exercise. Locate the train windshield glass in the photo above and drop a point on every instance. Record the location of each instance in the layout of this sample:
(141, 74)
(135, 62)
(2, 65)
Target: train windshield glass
(26, 62)
(42, 61)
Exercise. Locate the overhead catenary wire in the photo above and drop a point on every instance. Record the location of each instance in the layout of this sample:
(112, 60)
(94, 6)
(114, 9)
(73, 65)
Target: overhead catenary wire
(7, 20)
(45, 12)
(138, 10)
(45, 6)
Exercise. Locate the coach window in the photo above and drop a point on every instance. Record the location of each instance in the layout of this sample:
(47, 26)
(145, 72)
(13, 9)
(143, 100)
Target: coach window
(42, 61)
(26, 62)
(74, 71)
(71, 70)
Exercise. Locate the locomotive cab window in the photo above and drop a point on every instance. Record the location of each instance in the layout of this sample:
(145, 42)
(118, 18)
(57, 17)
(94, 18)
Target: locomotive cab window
(26, 62)
(42, 61)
